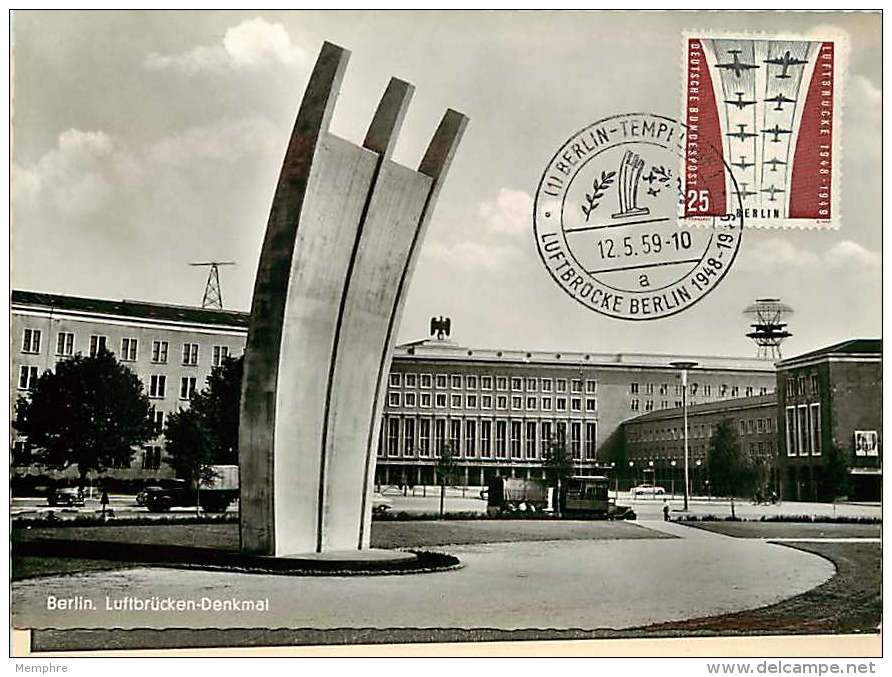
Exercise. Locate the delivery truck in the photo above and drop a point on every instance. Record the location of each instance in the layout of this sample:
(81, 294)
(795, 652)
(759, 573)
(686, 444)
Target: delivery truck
(213, 495)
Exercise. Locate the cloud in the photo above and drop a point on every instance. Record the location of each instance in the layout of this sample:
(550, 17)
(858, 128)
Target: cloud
(78, 175)
(852, 256)
(864, 103)
(252, 44)
(777, 254)
(89, 173)
(510, 213)
(469, 255)
(224, 141)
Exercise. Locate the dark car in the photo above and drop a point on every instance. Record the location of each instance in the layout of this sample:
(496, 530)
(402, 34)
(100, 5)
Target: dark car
(143, 495)
(67, 497)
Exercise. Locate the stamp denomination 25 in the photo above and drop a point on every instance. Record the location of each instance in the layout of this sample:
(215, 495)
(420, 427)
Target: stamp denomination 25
(607, 216)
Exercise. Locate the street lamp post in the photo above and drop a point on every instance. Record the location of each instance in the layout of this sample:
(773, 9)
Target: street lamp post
(684, 367)
(615, 481)
(673, 479)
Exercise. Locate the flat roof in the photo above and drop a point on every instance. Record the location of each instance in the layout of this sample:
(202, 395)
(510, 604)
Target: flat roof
(141, 310)
(447, 350)
(859, 347)
(717, 406)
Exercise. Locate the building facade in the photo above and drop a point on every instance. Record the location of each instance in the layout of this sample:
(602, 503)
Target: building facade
(171, 348)
(497, 409)
(654, 443)
(829, 401)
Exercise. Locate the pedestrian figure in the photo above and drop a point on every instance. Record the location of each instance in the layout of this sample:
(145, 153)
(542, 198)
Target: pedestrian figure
(104, 501)
(665, 511)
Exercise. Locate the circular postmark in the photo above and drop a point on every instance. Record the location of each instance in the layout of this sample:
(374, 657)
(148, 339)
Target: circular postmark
(610, 212)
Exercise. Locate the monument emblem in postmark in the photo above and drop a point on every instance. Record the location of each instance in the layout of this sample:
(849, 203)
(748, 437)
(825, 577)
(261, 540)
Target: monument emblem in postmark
(609, 212)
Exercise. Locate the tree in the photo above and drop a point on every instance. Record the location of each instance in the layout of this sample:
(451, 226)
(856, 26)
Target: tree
(90, 413)
(836, 475)
(446, 470)
(731, 471)
(206, 434)
(558, 466)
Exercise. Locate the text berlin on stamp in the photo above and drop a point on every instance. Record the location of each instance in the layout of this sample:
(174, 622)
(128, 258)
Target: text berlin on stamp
(771, 107)
(607, 216)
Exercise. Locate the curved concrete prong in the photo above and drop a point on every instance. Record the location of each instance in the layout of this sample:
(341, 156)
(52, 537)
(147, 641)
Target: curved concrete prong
(441, 149)
(434, 165)
(317, 106)
(270, 302)
(389, 116)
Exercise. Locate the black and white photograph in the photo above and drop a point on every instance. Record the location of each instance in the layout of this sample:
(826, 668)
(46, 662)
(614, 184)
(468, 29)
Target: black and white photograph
(490, 333)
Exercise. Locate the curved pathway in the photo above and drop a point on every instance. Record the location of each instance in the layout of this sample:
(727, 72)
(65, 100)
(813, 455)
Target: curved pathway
(585, 584)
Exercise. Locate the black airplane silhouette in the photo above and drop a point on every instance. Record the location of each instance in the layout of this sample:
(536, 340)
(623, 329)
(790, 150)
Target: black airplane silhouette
(742, 135)
(786, 61)
(776, 131)
(740, 103)
(743, 194)
(779, 99)
(772, 190)
(736, 66)
(742, 163)
(774, 162)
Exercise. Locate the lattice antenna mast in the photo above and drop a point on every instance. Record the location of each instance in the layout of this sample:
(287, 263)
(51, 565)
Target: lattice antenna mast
(768, 319)
(213, 293)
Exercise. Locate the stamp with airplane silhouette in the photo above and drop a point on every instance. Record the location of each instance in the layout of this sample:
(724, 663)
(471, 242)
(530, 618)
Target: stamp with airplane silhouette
(608, 212)
(771, 108)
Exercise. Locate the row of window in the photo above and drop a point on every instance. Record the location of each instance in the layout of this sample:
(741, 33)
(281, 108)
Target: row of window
(457, 401)
(473, 382)
(697, 431)
(635, 404)
(484, 438)
(129, 352)
(151, 456)
(158, 386)
(694, 389)
(28, 375)
(804, 430)
(756, 426)
(800, 386)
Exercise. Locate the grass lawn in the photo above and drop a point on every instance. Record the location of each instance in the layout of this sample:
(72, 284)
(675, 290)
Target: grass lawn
(411, 534)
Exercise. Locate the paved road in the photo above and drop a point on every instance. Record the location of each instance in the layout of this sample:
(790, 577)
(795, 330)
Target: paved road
(645, 507)
(551, 584)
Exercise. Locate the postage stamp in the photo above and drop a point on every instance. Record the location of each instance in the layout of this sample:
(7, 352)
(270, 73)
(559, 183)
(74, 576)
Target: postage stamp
(772, 109)
(607, 214)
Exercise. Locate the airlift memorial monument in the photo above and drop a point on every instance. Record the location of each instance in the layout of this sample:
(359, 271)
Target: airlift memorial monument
(341, 243)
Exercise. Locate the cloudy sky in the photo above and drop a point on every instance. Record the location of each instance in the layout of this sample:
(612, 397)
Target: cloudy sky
(145, 140)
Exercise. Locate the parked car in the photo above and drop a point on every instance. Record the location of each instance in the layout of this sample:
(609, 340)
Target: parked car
(380, 505)
(143, 495)
(647, 490)
(69, 497)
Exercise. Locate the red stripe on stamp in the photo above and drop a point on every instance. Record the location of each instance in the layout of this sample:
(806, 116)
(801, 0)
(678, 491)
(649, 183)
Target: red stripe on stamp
(813, 160)
(704, 170)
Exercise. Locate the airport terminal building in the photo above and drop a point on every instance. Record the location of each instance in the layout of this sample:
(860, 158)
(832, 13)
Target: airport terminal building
(654, 443)
(496, 408)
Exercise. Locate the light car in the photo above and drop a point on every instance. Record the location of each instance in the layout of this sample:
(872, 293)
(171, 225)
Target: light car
(647, 490)
(380, 505)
